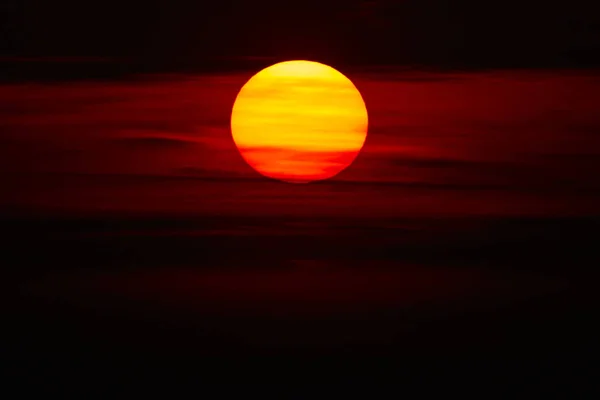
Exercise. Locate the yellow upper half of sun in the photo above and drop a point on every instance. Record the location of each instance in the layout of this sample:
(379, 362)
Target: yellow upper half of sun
(289, 113)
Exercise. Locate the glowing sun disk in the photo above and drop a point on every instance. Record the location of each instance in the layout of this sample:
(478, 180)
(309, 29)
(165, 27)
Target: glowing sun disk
(299, 121)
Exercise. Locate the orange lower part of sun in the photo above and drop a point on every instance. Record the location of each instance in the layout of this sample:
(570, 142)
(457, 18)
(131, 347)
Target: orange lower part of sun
(299, 121)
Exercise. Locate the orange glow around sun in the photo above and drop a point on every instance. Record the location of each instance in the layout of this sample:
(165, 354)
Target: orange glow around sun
(299, 121)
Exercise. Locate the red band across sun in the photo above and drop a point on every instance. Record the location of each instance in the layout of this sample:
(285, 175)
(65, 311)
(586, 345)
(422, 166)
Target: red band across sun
(299, 121)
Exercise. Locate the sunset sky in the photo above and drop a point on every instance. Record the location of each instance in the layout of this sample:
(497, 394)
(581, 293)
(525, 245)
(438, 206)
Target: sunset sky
(140, 244)
(487, 137)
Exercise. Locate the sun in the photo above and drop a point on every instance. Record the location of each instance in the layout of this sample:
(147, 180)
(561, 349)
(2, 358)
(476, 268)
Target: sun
(299, 121)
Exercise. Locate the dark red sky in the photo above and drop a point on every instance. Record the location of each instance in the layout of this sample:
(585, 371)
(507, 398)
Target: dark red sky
(112, 110)
(498, 142)
(164, 142)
